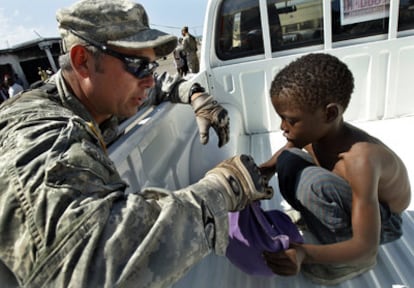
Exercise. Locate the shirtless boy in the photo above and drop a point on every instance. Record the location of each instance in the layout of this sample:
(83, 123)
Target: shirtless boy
(349, 187)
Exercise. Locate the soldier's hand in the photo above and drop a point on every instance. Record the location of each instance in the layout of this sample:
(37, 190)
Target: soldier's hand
(210, 114)
(241, 181)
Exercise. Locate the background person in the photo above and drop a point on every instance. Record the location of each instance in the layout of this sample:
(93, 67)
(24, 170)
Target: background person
(66, 220)
(42, 74)
(190, 49)
(13, 88)
(180, 60)
(4, 95)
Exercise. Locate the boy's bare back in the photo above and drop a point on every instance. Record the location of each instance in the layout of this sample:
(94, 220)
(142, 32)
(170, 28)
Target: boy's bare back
(355, 152)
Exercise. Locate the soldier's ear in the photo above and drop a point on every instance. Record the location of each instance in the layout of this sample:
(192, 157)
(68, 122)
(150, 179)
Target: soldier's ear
(81, 60)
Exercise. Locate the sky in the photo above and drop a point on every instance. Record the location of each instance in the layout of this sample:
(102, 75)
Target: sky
(24, 20)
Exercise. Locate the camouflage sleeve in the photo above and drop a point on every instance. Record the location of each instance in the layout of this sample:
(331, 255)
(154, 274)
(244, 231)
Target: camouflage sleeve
(177, 229)
(168, 87)
(69, 224)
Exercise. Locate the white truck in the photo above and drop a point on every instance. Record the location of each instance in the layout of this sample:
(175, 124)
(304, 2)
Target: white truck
(245, 43)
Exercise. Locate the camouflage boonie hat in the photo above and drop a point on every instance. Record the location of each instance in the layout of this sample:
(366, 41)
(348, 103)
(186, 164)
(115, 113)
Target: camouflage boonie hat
(119, 23)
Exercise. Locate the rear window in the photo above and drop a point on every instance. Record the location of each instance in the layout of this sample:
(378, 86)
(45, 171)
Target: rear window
(239, 29)
(295, 24)
(299, 23)
(406, 15)
(292, 24)
(361, 18)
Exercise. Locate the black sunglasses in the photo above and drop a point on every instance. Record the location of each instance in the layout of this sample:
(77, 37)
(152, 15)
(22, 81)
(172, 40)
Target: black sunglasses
(140, 67)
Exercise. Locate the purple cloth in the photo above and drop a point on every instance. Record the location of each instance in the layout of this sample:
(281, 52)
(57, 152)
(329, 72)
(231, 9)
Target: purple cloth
(252, 231)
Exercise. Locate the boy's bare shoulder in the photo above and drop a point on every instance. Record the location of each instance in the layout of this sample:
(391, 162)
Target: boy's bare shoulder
(362, 146)
(370, 156)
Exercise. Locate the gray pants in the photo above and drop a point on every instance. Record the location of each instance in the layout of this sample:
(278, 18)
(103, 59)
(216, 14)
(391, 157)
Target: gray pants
(325, 199)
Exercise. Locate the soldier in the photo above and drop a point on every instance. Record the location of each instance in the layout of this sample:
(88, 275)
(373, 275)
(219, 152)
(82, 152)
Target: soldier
(190, 49)
(66, 220)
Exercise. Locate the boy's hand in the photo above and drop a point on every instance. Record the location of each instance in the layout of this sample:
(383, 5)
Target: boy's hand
(268, 168)
(287, 262)
(267, 172)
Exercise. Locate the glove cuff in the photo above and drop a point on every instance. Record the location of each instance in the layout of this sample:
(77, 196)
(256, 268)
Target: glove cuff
(234, 202)
(202, 101)
(195, 88)
(242, 181)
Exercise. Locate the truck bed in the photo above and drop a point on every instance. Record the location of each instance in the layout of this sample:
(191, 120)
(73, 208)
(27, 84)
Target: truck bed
(160, 147)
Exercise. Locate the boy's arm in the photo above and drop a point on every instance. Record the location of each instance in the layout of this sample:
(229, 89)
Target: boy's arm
(268, 168)
(363, 175)
(360, 248)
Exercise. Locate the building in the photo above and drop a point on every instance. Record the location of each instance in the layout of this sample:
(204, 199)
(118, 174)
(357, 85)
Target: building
(23, 60)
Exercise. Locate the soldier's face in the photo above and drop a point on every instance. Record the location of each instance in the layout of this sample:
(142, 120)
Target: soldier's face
(116, 91)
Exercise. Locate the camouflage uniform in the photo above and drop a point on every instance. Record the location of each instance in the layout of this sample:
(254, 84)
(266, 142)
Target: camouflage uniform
(65, 219)
(190, 48)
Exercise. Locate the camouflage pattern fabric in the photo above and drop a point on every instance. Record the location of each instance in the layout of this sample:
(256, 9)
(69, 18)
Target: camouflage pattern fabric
(120, 23)
(191, 53)
(65, 220)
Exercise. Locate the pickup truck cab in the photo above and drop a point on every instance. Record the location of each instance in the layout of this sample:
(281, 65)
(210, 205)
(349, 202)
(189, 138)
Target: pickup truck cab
(245, 43)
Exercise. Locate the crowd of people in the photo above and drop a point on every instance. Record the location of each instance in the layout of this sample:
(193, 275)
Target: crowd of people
(65, 214)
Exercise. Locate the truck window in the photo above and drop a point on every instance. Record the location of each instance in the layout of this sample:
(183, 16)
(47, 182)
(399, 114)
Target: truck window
(239, 29)
(294, 24)
(299, 23)
(406, 15)
(360, 18)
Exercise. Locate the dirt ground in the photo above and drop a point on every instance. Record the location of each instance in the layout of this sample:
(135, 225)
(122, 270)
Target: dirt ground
(168, 64)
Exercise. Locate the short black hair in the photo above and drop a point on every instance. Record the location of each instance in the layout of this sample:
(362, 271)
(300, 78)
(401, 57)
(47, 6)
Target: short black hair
(313, 81)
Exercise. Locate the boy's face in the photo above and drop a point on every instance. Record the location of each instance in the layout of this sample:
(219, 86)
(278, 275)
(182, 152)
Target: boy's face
(299, 125)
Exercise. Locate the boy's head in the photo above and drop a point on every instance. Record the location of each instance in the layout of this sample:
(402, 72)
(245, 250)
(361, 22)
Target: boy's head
(314, 81)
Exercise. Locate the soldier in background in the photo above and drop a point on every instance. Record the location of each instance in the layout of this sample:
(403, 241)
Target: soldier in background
(190, 49)
(180, 60)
